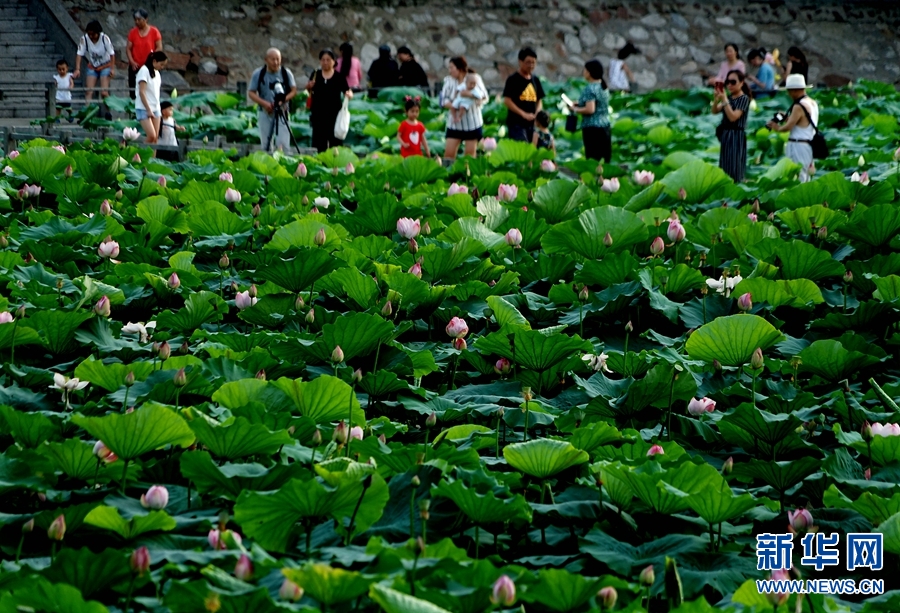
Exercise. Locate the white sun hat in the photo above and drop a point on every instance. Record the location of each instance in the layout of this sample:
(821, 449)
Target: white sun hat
(795, 81)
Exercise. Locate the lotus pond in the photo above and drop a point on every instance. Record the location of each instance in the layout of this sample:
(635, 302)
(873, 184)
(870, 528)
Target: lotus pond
(343, 383)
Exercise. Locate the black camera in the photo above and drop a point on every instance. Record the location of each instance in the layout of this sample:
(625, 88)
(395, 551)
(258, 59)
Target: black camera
(779, 117)
(279, 95)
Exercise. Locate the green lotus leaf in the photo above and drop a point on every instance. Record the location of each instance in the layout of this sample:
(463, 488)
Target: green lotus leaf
(131, 435)
(89, 571)
(211, 218)
(199, 308)
(392, 601)
(57, 328)
(484, 508)
(357, 335)
(701, 182)
(543, 457)
(649, 480)
(873, 507)
(533, 349)
(745, 236)
(18, 335)
(329, 585)
(559, 200)
(717, 503)
(229, 480)
(493, 212)
(156, 210)
(528, 224)
(40, 164)
(800, 260)
(382, 383)
(891, 531)
(470, 227)
(657, 389)
(236, 394)
(560, 590)
(111, 376)
(830, 360)
(512, 152)
(875, 226)
(623, 557)
(797, 293)
(38, 594)
(109, 518)
(888, 288)
(440, 262)
(237, 439)
(193, 596)
(767, 427)
(198, 192)
(300, 272)
(800, 220)
(377, 214)
(416, 170)
(823, 189)
(732, 340)
(77, 460)
(506, 314)
(591, 436)
(719, 219)
(884, 449)
(323, 399)
(780, 475)
(302, 233)
(584, 235)
(29, 429)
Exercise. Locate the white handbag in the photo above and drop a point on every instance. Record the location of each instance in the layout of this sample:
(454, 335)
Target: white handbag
(342, 124)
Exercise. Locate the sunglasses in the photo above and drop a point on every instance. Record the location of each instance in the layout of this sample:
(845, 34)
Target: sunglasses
(730, 82)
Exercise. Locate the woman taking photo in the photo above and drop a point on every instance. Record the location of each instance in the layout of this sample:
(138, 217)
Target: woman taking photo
(593, 106)
(734, 106)
(326, 86)
(732, 62)
(467, 128)
(146, 102)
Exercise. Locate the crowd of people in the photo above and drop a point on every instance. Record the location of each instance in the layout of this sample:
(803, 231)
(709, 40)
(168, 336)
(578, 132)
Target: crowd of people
(462, 93)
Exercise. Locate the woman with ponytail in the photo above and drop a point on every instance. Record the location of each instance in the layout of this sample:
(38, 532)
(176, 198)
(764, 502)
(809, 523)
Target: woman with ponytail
(350, 67)
(146, 101)
(734, 106)
(593, 106)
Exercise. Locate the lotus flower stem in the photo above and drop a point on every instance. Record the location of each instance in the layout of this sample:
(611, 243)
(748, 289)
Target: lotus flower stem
(189, 494)
(377, 353)
(704, 308)
(669, 408)
(350, 417)
(477, 539)
(845, 298)
(12, 349)
(362, 495)
(712, 538)
(128, 597)
(497, 444)
(527, 411)
(97, 472)
(19, 548)
(311, 288)
(753, 388)
(627, 334)
(453, 372)
(412, 513)
(868, 451)
(52, 552)
(124, 477)
(177, 397)
(125, 402)
(719, 539)
(581, 319)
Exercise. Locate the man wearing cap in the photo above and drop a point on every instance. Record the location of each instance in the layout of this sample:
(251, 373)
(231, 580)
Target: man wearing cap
(411, 72)
(383, 72)
(801, 123)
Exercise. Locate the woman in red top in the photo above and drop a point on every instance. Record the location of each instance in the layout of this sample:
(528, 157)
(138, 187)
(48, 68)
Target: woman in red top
(411, 131)
(143, 40)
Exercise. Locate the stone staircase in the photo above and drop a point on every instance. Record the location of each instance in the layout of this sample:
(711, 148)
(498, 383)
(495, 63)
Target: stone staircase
(27, 62)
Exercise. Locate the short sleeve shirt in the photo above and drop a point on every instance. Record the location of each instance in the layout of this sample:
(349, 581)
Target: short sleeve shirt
(143, 46)
(525, 94)
(268, 82)
(600, 117)
(766, 75)
(152, 91)
(414, 135)
(328, 94)
(96, 54)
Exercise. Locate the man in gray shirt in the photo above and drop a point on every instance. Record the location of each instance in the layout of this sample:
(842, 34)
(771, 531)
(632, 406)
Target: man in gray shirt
(274, 131)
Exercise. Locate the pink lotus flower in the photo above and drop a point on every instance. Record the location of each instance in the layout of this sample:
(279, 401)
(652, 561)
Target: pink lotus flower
(745, 302)
(243, 570)
(105, 208)
(136, 159)
(6, 317)
(457, 328)
(676, 231)
(752, 217)
(31, 191)
(456, 188)
(140, 561)
(104, 453)
(243, 300)
(459, 344)
(290, 591)
(885, 430)
(356, 432)
(102, 308)
(489, 144)
(607, 597)
(610, 186)
(232, 195)
(156, 498)
(657, 246)
(863, 177)
(502, 366)
(13, 154)
(226, 177)
(349, 169)
(161, 180)
(408, 228)
(174, 282)
(513, 238)
(503, 592)
(643, 177)
(699, 406)
(59, 148)
(57, 529)
(130, 134)
(301, 170)
(507, 193)
(548, 166)
(108, 249)
(779, 598)
(655, 450)
(416, 270)
(800, 519)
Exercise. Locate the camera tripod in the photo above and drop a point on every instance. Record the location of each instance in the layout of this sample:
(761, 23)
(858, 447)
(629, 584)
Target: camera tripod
(279, 120)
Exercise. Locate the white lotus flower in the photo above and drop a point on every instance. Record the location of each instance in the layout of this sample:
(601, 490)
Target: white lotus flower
(596, 362)
(724, 285)
(67, 385)
(322, 201)
(142, 330)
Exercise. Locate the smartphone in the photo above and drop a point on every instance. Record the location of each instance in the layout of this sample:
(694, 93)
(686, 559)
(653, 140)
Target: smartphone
(720, 87)
(567, 100)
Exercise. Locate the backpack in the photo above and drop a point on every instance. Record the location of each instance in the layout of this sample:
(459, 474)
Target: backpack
(284, 80)
(818, 144)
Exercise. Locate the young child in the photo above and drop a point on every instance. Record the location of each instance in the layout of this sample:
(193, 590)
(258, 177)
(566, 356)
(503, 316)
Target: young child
(411, 132)
(64, 84)
(542, 138)
(461, 103)
(167, 126)
(620, 77)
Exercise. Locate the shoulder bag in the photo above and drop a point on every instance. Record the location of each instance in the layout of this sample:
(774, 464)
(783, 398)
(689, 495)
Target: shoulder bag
(818, 144)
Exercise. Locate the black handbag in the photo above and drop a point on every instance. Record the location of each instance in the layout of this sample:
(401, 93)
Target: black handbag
(819, 146)
(571, 122)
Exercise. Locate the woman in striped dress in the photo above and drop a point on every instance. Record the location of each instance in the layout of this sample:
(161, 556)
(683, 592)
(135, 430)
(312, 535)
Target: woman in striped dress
(466, 130)
(734, 106)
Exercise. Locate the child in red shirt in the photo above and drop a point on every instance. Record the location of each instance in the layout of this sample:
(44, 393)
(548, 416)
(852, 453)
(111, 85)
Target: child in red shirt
(411, 132)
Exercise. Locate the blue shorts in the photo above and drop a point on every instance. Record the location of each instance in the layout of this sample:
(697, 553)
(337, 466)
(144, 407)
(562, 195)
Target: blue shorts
(142, 114)
(90, 72)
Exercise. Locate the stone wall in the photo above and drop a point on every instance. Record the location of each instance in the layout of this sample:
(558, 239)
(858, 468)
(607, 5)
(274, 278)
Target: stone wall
(217, 43)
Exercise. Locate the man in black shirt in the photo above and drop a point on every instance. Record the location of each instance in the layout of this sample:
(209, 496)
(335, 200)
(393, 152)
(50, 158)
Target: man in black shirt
(522, 96)
(383, 72)
(411, 72)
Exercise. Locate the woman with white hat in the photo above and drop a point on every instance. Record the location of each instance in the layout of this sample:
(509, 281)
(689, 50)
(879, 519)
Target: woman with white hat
(801, 122)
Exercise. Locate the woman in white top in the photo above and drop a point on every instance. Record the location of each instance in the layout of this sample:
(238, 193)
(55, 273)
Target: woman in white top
(467, 128)
(620, 77)
(146, 101)
(100, 57)
(801, 123)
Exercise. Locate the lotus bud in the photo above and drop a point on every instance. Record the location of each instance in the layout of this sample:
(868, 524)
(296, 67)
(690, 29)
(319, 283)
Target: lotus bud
(657, 246)
(136, 159)
(424, 506)
(232, 195)
(340, 433)
(655, 450)
(387, 309)
(108, 249)
(382, 439)
(457, 328)
(129, 378)
(140, 561)
(261, 374)
(4, 242)
(161, 180)
(413, 246)
(745, 302)
(607, 598)
(408, 228)
(311, 316)
(320, 237)
(20, 312)
(243, 570)
(356, 433)
(647, 576)
(415, 481)
(416, 270)
(224, 262)
(610, 186)
(502, 366)
(102, 307)
(513, 238)
(507, 193)
(301, 170)
(728, 466)
(289, 590)
(848, 277)
(867, 474)
(104, 453)
(357, 375)
(584, 294)
(431, 420)
(861, 161)
(629, 328)
(526, 394)
(547, 166)
(317, 437)
(460, 344)
(504, 592)
(822, 233)
(426, 229)
(682, 194)
(675, 231)
(105, 208)
(57, 529)
(489, 144)
(867, 432)
(756, 360)
(180, 378)
(28, 526)
(337, 356)
(607, 240)
(6, 317)
(800, 520)
(252, 292)
(699, 406)
(174, 282)
(164, 351)
(256, 210)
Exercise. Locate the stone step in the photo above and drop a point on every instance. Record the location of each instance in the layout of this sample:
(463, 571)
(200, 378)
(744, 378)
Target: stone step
(27, 111)
(15, 24)
(36, 61)
(11, 11)
(25, 48)
(27, 36)
(25, 75)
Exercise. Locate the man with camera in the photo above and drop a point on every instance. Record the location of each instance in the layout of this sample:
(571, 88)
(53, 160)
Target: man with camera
(272, 87)
(801, 122)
